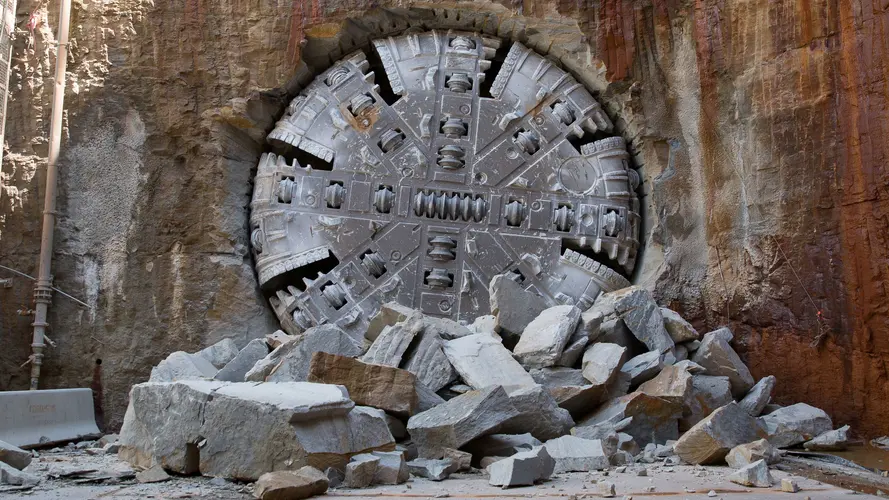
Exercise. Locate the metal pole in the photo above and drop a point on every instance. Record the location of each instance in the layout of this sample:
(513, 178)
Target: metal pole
(43, 289)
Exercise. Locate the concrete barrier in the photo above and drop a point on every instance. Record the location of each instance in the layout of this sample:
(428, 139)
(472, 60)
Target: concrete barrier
(39, 418)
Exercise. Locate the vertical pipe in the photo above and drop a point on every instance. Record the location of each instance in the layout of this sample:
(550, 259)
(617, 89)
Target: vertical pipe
(43, 289)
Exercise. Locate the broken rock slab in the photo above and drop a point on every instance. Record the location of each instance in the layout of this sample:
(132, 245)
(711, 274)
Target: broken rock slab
(672, 383)
(237, 368)
(154, 474)
(181, 365)
(755, 474)
(678, 329)
(538, 414)
(389, 314)
(220, 353)
(710, 440)
(544, 339)
(426, 359)
(795, 424)
(290, 485)
(574, 454)
(291, 361)
(360, 471)
(707, 394)
(432, 469)
(14, 456)
(759, 396)
(654, 420)
(643, 367)
(391, 469)
(746, 454)
(602, 361)
(14, 477)
(482, 362)
(641, 314)
(522, 469)
(460, 420)
(384, 387)
(570, 389)
(835, 440)
(513, 307)
(718, 358)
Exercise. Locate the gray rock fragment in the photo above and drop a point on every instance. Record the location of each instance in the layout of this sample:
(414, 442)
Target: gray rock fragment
(460, 420)
(360, 471)
(544, 339)
(389, 314)
(154, 474)
(835, 440)
(643, 367)
(538, 414)
(290, 485)
(426, 359)
(574, 454)
(220, 353)
(758, 397)
(14, 456)
(237, 368)
(392, 469)
(513, 307)
(641, 314)
(570, 389)
(653, 419)
(707, 394)
(182, 366)
(522, 469)
(718, 358)
(710, 440)
(795, 424)
(482, 362)
(12, 476)
(485, 325)
(602, 361)
(606, 489)
(432, 469)
(747, 453)
(679, 329)
(755, 474)
(335, 477)
(501, 445)
(291, 361)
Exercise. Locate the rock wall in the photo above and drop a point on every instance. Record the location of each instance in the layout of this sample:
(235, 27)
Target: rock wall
(758, 126)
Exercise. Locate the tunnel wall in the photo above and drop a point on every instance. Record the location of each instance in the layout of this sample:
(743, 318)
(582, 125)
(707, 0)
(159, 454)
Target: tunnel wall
(759, 129)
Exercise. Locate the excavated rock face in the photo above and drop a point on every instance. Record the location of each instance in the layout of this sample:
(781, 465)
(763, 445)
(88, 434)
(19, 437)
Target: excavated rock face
(757, 128)
(421, 188)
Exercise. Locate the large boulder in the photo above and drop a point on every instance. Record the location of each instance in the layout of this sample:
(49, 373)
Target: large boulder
(759, 396)
(538, 414)
(602, 362)
(384, 387)
(678, 329)
(181, 365)
(220, 353)
(290, 362)
(707, 394)
(522, 469)
(710, 440)
(574, 454)
(482, 362)
(795, 424)
(544, 339)
(460, 420)
(513, 307)
(237, 367)
(654, 420)
(719, 359)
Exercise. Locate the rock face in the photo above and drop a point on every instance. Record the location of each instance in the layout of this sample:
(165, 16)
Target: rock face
(795, 424)
(460, 420)
(521, 469)
(482, 362)
(290, 362)
(573, 454)
(719, 359)
(513, 307)
(383, 387)
(287, 485)
(710, 440)
(544, 339)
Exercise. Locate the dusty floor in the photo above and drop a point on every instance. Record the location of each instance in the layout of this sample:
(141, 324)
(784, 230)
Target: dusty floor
(71, 475)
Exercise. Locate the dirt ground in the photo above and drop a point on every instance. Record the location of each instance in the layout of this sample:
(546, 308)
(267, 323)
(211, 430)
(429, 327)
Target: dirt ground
(77, 475)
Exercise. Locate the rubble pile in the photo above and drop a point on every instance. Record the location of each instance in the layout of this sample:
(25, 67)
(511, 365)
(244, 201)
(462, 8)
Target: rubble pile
(523, 394)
